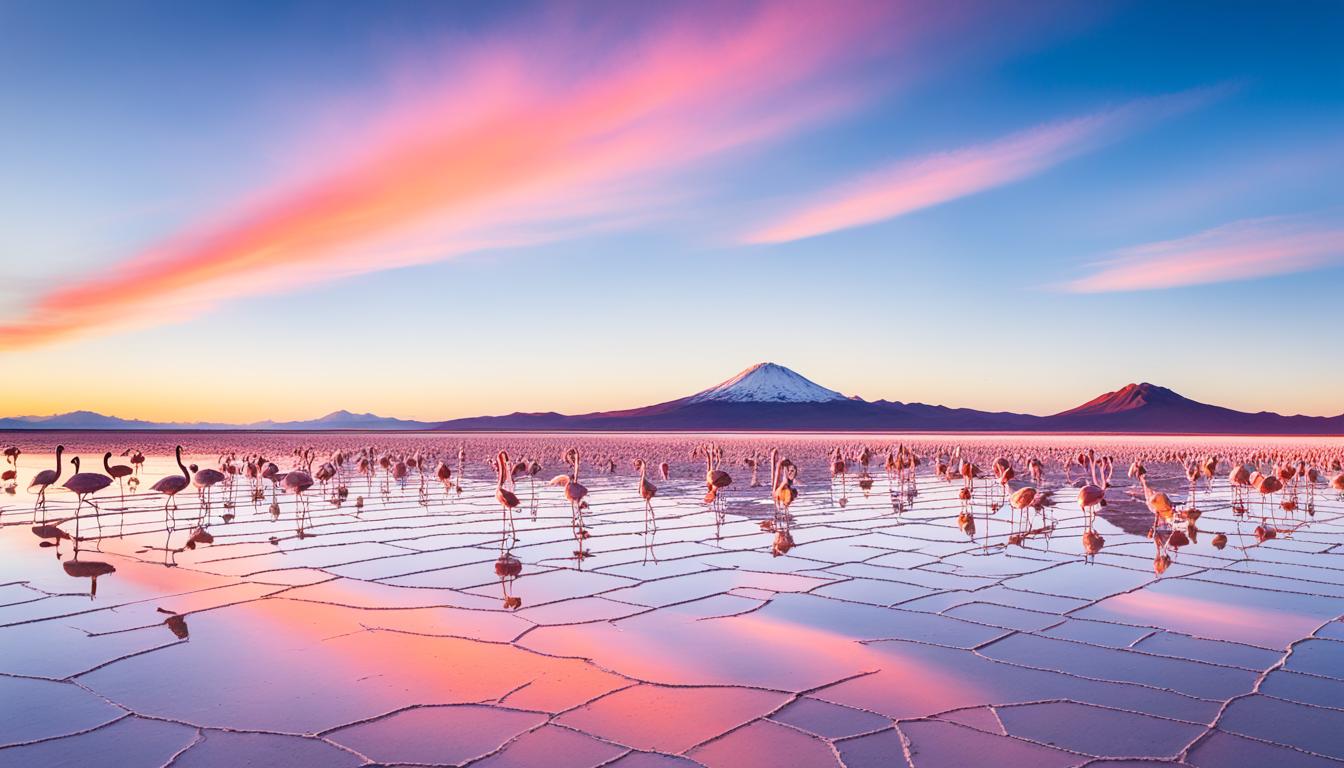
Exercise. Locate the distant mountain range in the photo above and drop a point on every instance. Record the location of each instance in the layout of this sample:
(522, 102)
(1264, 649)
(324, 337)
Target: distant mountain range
(337, 420)
(767, 396)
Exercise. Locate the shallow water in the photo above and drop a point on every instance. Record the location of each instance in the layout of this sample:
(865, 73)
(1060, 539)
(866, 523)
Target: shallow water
(396, 630)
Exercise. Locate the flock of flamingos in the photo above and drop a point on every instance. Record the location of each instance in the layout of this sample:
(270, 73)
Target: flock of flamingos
(1278, 479)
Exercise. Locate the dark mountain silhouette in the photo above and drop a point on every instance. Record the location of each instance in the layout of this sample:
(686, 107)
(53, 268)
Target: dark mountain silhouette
(771, 397)
(767, 396)
(336, 420)
(1149, 408)
(76, 420)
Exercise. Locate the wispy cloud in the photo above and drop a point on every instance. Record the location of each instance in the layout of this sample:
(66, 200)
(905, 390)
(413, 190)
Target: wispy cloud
(1238, 251)
(534, 135)
(913, 184)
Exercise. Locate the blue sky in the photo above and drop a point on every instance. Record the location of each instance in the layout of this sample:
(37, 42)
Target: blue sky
(1033, 192)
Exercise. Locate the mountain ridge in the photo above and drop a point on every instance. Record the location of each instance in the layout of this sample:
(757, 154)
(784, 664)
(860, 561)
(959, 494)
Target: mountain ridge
(771, 397)
(91, 420)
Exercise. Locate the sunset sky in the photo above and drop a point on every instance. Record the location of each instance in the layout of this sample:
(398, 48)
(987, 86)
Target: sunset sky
(239, 211)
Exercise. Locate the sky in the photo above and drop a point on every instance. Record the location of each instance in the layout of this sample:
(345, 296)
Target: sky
(251, 210)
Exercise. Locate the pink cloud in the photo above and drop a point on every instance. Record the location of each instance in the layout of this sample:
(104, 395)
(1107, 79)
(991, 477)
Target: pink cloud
(536, 135)
(923, 182)
(1242, 250)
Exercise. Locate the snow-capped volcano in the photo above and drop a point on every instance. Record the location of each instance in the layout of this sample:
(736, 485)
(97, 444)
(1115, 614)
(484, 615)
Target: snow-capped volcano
(767, 383)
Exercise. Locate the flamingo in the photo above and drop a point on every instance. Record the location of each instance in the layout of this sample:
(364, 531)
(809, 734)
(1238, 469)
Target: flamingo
(574, 493)
(1022, 499)
(364, 466)
(507, 499)
(271, 472)
(647, 491)
(172, 485)
(324, 474)
(205, 480)
(1209, 468)
(45, 478)
(1192, 472)
(461, 466)
(533, 468)
(1091, 497)
(10, 476)
(1037, 469)
(117, 472)
(1240, 479)
(85, 484)
(783, 493)
(715, 479)
(137, 461)
(296, 482)
(839, 467)
(781, 484)
(1267, 485)
(444, 473)
(968, 472)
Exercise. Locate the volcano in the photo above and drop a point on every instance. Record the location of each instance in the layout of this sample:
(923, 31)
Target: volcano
(770, 397)
(1148, 408)
(766, 396)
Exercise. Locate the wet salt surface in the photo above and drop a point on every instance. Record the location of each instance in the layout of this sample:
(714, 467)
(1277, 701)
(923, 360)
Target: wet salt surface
(335, 634)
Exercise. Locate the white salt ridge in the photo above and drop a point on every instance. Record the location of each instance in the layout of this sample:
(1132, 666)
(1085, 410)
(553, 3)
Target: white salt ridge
(768, 383)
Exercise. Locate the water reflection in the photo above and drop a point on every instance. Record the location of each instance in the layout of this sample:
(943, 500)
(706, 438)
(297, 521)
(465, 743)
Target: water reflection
(676, 576)
(508, 568)
(87, 569)
(51, 536)
(176, 623)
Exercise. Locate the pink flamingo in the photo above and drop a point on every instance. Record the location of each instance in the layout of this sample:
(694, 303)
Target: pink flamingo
(205, 480)
(296, 482)
(647, 491)
(117, 472)
(46, 478)
(85, 484)
(574, 493)
(172, 485)
(1090, 498)
(507, 499)
(10, 476)
(444, 473)
(781, 484)
(715, 479)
